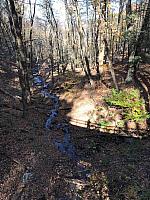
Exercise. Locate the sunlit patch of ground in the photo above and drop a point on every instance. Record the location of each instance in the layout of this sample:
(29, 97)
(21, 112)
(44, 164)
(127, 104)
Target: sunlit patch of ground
(82, 107)
(82, 98)
(84, 103)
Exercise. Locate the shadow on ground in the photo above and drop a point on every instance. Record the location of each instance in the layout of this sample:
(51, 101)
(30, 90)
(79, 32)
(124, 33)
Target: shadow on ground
(118, 166)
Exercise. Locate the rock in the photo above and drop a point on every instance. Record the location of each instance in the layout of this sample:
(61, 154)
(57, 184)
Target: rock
(131, 125)
(142, 125)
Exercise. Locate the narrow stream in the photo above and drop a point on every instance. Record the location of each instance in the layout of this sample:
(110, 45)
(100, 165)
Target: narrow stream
(65, 146)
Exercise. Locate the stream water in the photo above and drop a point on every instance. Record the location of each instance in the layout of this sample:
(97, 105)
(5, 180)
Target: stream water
(65, 146)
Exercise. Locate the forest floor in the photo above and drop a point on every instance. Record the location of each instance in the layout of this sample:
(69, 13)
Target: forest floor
(119, 166)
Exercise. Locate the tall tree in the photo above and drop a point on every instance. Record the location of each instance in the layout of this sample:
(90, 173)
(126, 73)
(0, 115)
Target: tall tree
(15, 18)
(135, 53)
(32, 16)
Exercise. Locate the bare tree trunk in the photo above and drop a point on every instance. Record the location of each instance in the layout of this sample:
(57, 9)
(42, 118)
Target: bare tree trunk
(21, 56)
(5, 38)
(31, 31)
(110, 65)
(133, 61)
(51, 56)
(83, 52)
(103, 33)
(97, 51)
(128, 14)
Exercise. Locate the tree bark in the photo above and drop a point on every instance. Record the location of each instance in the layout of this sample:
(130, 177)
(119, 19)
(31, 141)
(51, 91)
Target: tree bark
(20, 56)
(110, 65)
(133, 62)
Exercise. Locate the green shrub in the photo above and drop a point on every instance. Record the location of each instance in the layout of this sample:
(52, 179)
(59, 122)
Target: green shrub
(120, 124)
(136, 114)
(133, 106)
(124, 99)
(104, 124)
